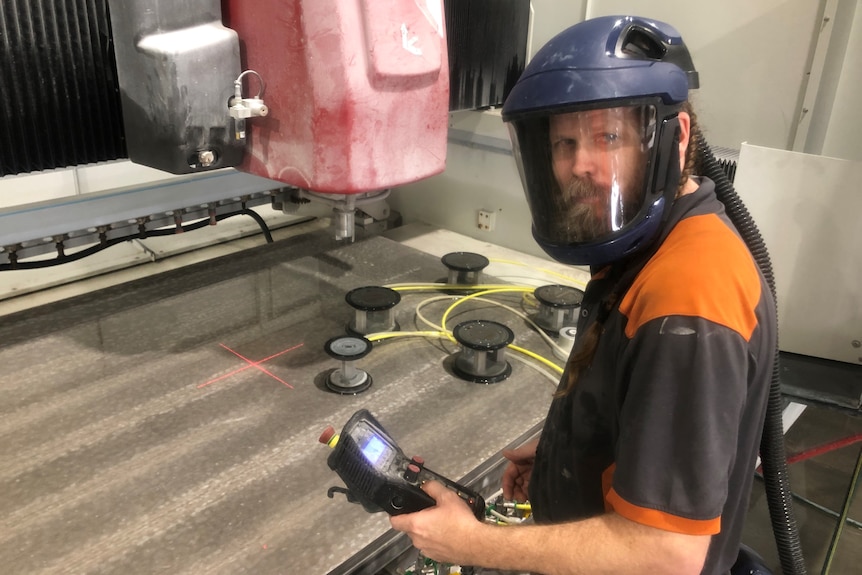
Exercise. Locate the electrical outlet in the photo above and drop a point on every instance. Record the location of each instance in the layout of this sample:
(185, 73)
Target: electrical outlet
(486, 220)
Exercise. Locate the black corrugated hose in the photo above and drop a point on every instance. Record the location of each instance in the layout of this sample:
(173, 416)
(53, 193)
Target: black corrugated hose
(772, 453)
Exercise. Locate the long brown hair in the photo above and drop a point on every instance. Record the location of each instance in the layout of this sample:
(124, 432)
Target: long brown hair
(582, 355)
(695, 140)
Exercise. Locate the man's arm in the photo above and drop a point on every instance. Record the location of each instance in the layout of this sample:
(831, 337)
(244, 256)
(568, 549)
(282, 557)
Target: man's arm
(609, 543)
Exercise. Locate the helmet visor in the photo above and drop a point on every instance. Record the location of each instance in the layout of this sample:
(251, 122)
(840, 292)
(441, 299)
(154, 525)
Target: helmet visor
(585, 172)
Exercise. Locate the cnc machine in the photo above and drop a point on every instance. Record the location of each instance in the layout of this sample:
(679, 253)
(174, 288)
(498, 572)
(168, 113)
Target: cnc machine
(171, 423)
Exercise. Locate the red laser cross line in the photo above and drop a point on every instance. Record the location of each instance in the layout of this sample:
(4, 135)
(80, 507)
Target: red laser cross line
(255, 364)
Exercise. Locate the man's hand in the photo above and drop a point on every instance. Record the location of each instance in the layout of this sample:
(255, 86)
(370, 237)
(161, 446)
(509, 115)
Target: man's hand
(516, 477)
(446, 532)
(608, 543)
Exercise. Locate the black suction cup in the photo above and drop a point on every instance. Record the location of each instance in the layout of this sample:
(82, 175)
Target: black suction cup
(465, 268)
(558, 307)
(374, 313)
(482, 358)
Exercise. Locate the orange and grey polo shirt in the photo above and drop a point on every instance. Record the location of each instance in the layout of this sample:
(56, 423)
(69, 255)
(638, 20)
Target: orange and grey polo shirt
(664, 426)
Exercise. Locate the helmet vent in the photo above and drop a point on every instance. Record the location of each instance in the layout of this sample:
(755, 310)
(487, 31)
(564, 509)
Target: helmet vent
(639, 43)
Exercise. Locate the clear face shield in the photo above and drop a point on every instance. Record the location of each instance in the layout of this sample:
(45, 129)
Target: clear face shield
(585, 173)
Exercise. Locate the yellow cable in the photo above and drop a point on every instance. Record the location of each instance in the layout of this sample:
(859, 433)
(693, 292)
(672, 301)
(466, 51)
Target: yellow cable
(444, 333)
(438, 286)
(537, 357)
(523, 316)
(554, 379)
(543, 270)
(425, 302)
(391, 334)
(481, 293)
(526, 352)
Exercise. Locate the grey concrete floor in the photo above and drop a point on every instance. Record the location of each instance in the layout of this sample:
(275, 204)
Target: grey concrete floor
(823, 479)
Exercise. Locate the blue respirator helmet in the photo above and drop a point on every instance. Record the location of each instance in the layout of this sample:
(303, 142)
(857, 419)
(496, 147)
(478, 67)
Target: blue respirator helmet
(595, 133)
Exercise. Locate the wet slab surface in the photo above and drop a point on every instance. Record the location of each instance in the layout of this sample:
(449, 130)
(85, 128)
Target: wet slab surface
(170, 424)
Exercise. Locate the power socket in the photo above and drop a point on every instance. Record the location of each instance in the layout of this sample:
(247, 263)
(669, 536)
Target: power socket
(486, 220)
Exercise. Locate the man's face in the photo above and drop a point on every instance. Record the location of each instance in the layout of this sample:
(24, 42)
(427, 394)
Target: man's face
(599, 159)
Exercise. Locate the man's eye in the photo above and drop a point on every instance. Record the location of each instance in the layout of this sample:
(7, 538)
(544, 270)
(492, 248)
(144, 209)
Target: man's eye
(609, 138)
(565, 146)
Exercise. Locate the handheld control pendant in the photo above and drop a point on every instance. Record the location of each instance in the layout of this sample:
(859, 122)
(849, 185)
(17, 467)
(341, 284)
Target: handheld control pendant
(378, 474)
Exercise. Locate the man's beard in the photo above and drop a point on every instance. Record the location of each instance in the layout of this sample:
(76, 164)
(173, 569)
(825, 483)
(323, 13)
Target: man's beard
(587, 218)
(584, 211)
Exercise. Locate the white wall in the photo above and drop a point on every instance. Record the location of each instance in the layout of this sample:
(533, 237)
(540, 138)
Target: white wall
(550, 17)
(819, 302)
(843, 131)
(480, 175)
(23, 189)
(783, 74)
(752, 59)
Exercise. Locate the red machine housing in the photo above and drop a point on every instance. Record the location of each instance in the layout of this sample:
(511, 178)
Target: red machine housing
(357, 91)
